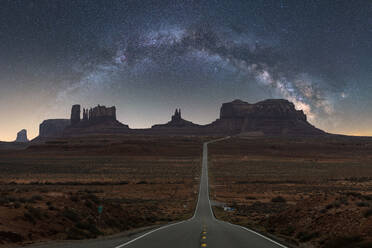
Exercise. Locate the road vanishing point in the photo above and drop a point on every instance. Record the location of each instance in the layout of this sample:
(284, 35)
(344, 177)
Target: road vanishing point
(202, 230)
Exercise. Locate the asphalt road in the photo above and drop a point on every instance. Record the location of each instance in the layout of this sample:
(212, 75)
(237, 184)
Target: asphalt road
(202, 230)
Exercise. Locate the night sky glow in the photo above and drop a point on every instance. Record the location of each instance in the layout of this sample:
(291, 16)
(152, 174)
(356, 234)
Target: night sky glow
(149, 57)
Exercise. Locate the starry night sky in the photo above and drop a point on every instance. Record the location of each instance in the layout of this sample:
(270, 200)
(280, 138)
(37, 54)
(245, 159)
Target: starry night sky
(149, 57)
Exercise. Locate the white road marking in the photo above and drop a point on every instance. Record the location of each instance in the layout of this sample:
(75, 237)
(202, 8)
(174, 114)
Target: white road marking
(197, 204)
(148, 233)
(254, 232)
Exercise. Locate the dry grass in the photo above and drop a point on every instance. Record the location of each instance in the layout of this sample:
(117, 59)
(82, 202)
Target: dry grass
(139, 181)
(309, 192)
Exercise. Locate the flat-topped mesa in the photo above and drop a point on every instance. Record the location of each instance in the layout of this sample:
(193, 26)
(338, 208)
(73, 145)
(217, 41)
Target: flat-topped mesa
(271, 108)
(53, 128)
(268, 117)
(176, 122)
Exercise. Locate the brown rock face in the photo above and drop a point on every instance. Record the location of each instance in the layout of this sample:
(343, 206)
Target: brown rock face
(177, 122)
(269, 117)
(22, 136)
(53, 128)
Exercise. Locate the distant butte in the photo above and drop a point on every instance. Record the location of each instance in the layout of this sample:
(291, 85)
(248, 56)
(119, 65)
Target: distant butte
(268, 117)
(97, 120)
(272, 117)
(53, 128)
(176, 122)
(22, 136)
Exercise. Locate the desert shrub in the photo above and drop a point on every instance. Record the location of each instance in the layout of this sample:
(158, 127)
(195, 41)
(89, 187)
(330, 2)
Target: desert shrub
(362, 204)
(279, 199)
(113, 223)
(329, 206)
(17, 204)
(90, 227)
(345, 242)
(89, 204)
(288, 231)
(76, 233)
(11, 199)
(250, 198)
(28, 217)
(74, 198)
(10, 237)
(52, 208)
(365, 244)
(354, 194)
(71, 215)
(367, 197)
(368, 213)
(35, 198)
(305, 236)
(36, 213)
(336, 204)
(3, 200)
(343, 200)
(93, 198)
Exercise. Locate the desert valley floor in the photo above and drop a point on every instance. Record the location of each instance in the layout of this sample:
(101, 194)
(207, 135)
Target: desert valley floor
(306, 192)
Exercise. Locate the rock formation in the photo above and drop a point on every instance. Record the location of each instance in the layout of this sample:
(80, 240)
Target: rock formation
(96, 114)
(53, 128)
(22, 136)
(100, 113)
(99, 119)
(75, 114)
(269, 117)
(177, 122)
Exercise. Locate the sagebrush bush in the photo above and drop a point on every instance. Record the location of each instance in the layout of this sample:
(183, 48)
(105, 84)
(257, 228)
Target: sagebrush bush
(278, 199)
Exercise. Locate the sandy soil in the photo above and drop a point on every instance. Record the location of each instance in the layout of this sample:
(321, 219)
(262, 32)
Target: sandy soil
(314, 192)
(53, 191)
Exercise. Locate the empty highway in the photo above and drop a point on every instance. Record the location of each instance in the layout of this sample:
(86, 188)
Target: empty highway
(202, 230)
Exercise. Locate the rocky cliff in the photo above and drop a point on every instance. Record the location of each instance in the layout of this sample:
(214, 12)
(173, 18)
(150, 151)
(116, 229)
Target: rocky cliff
(53, 128)
(22, 136)
(100, 119)
(269, 117)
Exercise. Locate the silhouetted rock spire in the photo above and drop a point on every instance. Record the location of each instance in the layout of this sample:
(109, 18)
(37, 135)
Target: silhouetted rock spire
(22, 136)
(75, 114)
(177, 115)
(85, 114)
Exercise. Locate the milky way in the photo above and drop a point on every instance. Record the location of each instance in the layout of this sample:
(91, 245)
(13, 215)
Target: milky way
(244, 54)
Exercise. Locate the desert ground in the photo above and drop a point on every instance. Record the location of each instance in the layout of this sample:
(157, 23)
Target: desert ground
(56, 190)
(309, 192)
